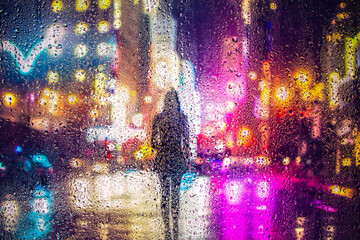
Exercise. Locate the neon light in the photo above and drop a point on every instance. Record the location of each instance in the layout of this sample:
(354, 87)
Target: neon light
(117, 14)
(25, 64)
(350, 48)
(341, 191)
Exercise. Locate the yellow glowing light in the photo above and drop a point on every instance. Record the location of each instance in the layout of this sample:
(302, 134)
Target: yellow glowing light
(80, 50)
(286, 161)
(342, 5)
(282, 94)
(9, 99)
(262, 161)
(346, 162)
(342, 191)
(75, 162)
(302, 79)
(340, 16)
(82, 5)
(43, 101)
(46, 92)
(252, 75)
(72, 99)
(148, 99)
(317, 92)
(117, 23)
(100, 83)
(80, 75)
(104, 4)
(81, 28)
(56, 6)
(244, 136)
(103, 26)
(350, 50)
(144, 152)
(52, 77)
(300, 233)
(94, 113)
(117, 14)
(273, 6)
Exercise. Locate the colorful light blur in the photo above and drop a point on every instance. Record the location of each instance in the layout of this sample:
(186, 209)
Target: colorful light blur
(9, 99)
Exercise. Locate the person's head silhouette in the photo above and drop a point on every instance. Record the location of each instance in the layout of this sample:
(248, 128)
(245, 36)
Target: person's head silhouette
(171, 101)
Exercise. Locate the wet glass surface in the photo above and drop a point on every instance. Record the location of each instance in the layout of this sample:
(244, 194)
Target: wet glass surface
(181, 119)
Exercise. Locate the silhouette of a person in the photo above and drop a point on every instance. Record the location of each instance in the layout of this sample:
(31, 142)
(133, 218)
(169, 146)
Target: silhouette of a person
(170, 137)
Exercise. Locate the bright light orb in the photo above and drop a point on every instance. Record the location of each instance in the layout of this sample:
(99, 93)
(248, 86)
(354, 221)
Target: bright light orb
(148, 99)
(81, 28)
(80, 50)
(273, 6)
(252, 75)
(9, 99)
(94, 113)
(262, 161)
(103, 49)
(117, 23)
(57, 6)
(229, 106)
(72, 99)
(80, 75)
(286, 161)
(52, 77)
(103, 26)
(282, 93)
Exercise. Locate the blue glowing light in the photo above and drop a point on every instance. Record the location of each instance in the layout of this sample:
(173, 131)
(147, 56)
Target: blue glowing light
(18, 149)
(41, 160)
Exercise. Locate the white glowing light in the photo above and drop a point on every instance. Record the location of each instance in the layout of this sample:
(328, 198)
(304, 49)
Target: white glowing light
(103, 26)
(80, 50)
(282, 93)
(81, 28)
(80, 75)
(41, 205)
(80, 193)
(233, 192)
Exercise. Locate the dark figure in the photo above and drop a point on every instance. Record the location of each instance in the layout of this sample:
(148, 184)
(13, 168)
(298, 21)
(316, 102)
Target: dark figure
(170, 137)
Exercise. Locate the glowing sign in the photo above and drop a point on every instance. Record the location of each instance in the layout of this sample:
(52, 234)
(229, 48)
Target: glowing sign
(25, 64)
